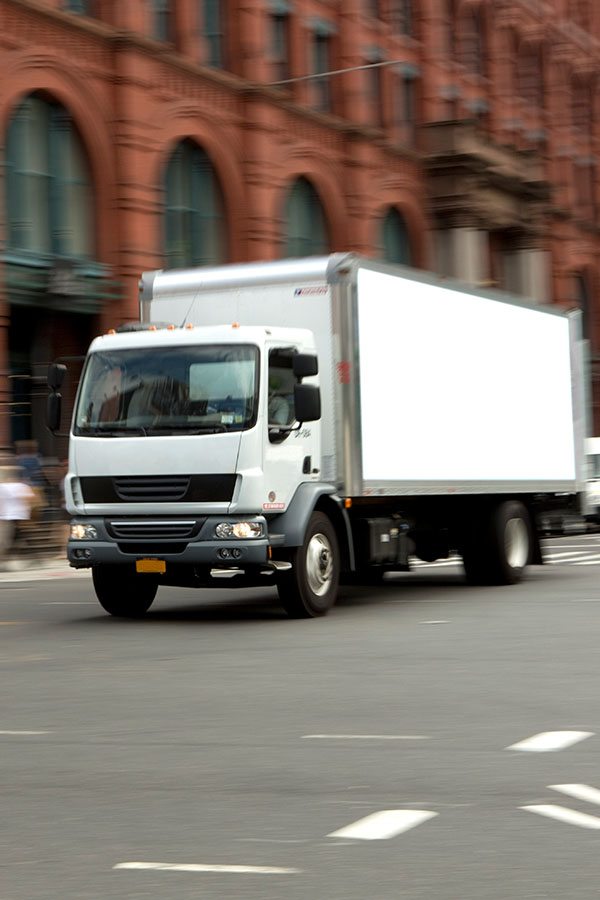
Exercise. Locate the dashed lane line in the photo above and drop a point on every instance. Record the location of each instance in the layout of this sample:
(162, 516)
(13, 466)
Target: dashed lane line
(204, 867)
(365, 737)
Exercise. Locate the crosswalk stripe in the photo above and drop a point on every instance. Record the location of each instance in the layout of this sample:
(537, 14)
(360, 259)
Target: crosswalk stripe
(547, 741)
(562, 814)
(578, 791)
(385, 824)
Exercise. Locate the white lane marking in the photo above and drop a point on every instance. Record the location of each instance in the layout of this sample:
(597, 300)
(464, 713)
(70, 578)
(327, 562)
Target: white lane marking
(578, 791)
(384, 824)
(19, 733)
(562, 814)
(585, 600)
(198, 867)
(435, 622)
(590, 561)
(365, 737)
(547, 741)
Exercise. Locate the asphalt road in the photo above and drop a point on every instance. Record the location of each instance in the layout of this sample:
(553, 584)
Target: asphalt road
(219, 750)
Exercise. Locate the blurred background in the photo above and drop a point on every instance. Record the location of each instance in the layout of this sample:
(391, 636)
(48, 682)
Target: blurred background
(456, 136)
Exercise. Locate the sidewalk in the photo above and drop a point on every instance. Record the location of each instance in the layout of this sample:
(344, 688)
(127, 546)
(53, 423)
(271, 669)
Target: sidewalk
(27, 569)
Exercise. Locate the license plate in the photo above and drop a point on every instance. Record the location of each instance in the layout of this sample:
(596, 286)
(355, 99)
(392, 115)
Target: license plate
(151, 565)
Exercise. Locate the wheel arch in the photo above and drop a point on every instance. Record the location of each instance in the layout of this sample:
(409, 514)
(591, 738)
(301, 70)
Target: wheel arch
(309, 498)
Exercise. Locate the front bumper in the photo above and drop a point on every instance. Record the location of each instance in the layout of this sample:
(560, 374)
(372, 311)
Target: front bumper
(185, 540)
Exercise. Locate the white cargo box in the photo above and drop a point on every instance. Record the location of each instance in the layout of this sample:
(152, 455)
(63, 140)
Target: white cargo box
(428, 387)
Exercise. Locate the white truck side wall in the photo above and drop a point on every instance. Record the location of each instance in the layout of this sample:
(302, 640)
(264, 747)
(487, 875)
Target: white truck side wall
(461, 389)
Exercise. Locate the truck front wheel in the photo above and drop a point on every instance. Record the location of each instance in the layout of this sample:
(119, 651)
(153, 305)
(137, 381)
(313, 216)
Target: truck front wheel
(121, 594)
(310, 588)
(500, 548)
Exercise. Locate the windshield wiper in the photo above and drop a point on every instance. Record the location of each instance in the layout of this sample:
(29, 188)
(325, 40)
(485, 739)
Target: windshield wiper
(97, 430)
(185, 429)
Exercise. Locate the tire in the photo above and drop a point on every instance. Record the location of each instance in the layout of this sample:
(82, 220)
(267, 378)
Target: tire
(310, 588)
(499, 547)
(122, 594)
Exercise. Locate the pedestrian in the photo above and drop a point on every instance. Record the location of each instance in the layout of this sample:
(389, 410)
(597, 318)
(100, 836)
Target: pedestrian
(29, 459)
(16, 501)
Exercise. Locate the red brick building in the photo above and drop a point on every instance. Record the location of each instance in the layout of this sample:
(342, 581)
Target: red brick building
(460, 136)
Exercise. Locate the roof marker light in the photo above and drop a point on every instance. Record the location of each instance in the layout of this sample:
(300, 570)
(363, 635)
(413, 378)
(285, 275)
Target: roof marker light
(235, 324)
(111, 331)
(152, 328)
(189, 326)
(170, 328)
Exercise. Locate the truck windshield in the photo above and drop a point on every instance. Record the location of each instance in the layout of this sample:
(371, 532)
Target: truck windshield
(174, 390)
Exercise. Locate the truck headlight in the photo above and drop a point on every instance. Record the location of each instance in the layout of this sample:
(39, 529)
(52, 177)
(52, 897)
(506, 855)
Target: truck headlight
(239, 530)
(80, 532)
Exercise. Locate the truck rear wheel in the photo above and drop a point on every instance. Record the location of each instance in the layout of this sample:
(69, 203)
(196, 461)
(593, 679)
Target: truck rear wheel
(121, 594)
(499, 549)
(310, 588)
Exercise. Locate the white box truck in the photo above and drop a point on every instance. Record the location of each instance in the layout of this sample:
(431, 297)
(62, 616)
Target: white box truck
(306, 422)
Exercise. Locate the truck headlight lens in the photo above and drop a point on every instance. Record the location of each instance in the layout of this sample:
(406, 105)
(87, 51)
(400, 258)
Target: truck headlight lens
(239, 530)
(80, 532)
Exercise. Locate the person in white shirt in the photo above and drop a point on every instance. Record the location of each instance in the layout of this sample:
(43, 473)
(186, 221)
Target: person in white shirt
(16, 498)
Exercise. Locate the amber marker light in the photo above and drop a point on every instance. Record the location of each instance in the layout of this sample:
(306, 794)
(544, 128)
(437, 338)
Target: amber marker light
(347, 502)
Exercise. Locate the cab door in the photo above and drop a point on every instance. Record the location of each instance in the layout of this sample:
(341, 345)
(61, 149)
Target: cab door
(292, 449)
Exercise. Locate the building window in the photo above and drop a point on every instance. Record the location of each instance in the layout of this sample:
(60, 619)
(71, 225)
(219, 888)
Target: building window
(529, 74)
(162, 25)
(373, 8)
(49, 196)
(375, 86)
(214, 33)
(305, 224)
(473, 42)
(405, 107)
(194, 230)
(400, 16)
(321, 63)
(395, 239)
(280, 42)
(80, 7)
(582, 105)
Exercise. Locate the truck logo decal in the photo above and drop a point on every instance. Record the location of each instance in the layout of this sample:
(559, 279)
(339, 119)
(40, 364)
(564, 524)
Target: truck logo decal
(310, 292)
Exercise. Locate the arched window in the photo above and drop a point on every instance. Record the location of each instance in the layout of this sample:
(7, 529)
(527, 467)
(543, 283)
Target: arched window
(195, 229)
(49, 196)
(305, 223)
(395, 239)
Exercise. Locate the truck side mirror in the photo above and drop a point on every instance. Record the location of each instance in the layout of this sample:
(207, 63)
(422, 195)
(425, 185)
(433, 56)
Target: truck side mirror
(304, 365)
(53, 411)
(56, 375)
(307, 402)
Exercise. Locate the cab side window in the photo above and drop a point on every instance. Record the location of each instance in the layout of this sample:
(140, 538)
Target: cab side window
(281, 388)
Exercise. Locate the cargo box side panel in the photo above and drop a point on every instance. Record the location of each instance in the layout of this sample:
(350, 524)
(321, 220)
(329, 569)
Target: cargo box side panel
(460, 392)
(288, 305)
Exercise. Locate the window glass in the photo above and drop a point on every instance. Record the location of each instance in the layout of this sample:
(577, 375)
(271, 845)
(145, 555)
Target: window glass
(213, 32)
(306, 228)
(50, 203)
(281, 388)
(194, 210)
(396, 242)
(183, 389)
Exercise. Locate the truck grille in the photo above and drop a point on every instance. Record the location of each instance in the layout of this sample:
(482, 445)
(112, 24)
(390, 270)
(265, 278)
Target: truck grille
(167, 529)
(158, 488)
